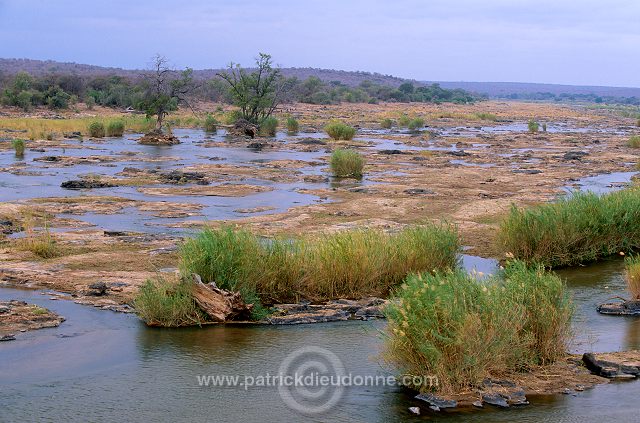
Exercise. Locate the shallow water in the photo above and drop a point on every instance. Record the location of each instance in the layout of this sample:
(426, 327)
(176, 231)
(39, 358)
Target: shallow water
(105, 366)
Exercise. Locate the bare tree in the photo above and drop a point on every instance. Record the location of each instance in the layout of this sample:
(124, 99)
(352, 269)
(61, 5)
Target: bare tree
(165, 89)
(259, 93)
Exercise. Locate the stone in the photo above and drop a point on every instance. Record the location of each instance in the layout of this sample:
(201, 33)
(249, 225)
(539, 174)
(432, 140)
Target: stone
(574, 155)
(8, 337)
(436, 401)
(391, 152)
(495, 399)
(527, 171)
(158, 138)
(625, 308)
(477, 404)
(419, 191)
(85, 184)
(311, 141)
(257, 146)
(97, 289)
(415, 410)
(179, 177)
(311, 316)
(458, 153)
(245, 128)
(4, 309)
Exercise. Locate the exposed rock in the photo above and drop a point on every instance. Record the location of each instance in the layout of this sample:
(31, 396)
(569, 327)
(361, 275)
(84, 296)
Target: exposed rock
(179, 177)
(97, 289)
(18, 316)
(495, 399)
(610, 366)
(502, 393)
(391, 152)
(415, 410)
(8, 337)
(527, 171)
(625, 308)
(85, 184)
(243, 127)
(311, 316)
(52, 159)
(73, 135)
(335, 310)
(459, 153)
(158, 138)
(574, 155)
(312, 141)
(258, 146)
(436, 401)
(419, 191)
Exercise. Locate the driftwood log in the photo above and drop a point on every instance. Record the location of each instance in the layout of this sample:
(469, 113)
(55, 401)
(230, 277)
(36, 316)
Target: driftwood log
(219, 304)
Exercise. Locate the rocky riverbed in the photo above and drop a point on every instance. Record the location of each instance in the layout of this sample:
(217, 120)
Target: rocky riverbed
(18, 316)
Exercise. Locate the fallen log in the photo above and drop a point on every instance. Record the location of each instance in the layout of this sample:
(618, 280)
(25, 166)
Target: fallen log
(219, 304)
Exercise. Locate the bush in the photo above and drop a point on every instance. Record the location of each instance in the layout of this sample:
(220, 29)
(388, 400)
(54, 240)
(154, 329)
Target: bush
(386, 123)
(96, 130)
(340, 131)
(346, 164)
(161, 302)
(634, 141)
(210, 124)
(18, 145)
(268, 127)
(486, 116)
(533, 126)
(347, 264)
(292, 125)
(115, 128)
(40, 243)
(632, 276)
(415, 124)
(461, 330)
(582, 228)
(404, 120)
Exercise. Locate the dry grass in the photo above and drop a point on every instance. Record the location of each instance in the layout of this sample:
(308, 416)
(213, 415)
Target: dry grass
(632, 276)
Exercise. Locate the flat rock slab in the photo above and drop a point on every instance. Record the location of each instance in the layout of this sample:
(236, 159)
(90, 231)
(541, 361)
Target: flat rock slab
(18, 316)
(343, 309)
(619, 365)
(625, 308)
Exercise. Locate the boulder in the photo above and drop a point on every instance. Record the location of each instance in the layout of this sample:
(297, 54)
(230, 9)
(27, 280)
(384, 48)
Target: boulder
(625, 308)
(158, 138)
(437, 402)
(243, 127)
(97, 289)
(85, 184)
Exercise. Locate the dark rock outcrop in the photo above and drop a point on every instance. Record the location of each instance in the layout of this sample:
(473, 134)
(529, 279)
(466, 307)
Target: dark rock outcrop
(85, 184)
(436, 401)
(158, 138)
(624, 308)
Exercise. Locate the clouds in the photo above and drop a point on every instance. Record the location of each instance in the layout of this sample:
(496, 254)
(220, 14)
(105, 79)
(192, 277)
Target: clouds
(580, 42)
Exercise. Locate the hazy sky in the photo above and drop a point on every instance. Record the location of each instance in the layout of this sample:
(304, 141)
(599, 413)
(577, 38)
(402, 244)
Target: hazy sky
(591, 42)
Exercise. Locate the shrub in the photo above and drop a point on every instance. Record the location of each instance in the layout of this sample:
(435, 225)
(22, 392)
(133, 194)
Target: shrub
(485, 116)
(533, 126)
(340, 131)
(386, 123)
(96, 130)
(268, 127)
(40, 243)
(292, 125)
(634, 141)
(461, 330)
(346, 164)
(632, 276)
(544, 127)
(582, 228)
(18, 146)
(161, 302)
(232, 117)
(404, 120)
(415, 124)
(115, 128)
(347, 264)
(210, 124)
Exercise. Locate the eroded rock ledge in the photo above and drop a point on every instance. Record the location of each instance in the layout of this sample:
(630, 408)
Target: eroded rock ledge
(18, 316)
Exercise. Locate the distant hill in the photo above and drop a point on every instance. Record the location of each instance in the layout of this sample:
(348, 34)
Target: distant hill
(504, 89)
(351, 78)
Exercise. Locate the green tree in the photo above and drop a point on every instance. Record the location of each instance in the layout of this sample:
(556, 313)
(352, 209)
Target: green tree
(258, 93)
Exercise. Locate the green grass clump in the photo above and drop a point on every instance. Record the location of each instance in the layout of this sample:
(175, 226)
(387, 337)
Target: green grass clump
(578, 229)
(340, 131)
(96, 130)
(115, 128)
(485, 116)
(386, 123)
(461, 330)
(346, 163)
(632, 276)
(161, 302)
(292, 125)
(210, 124)
(41, 243)
(404, 120)
(268, 127)
(634, 141)
(415, 124)
(18, 146)
(347, 264)
(533, 126)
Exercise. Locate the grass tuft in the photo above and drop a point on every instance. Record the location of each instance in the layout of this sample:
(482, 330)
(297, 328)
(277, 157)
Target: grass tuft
(386, 123)
(210, 124)
(533, 126)
(115, 128)
(340, 131)
(346, 163)
(632, 276)
(18, 146)
(269, 126)
(574, 230)
(461, 330)
(415, 124)
(634, 141)
(96, 129)
(162, 302)
(292, 125)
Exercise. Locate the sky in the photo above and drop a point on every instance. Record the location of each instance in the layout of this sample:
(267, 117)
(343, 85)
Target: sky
(578, 42)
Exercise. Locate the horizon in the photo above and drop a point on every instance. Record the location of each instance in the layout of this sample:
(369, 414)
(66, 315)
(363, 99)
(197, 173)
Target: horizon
(540, 42)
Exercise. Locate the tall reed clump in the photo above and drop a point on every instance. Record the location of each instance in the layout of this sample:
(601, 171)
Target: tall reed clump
(340, 131)
(163, 302)
(268, 127)
(115, 128)
(632, 276)
(210, 124)
(415, 124)
(461, 330)
(346, 163)
(386, 123)
(578, 229)
(634, 141)
(347, 264)
(96, 129)
(18, 146)
(533, 126)
(292, 125)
